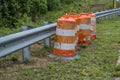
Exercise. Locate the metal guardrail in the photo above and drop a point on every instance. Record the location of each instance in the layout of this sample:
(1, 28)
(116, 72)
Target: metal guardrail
(107, 11)
(14, 42)
(21, 40)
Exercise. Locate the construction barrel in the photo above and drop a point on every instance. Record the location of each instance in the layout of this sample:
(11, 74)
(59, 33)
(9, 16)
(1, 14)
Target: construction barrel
(84, 29)
(66, 36)
(92, 25)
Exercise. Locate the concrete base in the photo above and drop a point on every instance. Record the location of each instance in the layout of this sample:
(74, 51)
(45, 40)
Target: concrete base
(64, 57)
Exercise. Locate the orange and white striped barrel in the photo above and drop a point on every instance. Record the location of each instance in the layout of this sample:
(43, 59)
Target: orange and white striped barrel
(66, 37)
(76, 17)
(84, 29)
(92, 25)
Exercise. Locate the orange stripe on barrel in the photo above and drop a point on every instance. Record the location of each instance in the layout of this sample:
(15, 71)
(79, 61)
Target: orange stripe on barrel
(65, 39)
(64, 52)
(66, 25)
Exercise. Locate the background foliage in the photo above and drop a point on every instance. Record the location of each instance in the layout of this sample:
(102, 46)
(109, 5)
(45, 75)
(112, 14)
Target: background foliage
(53, 4)
(13, 10)
(15, 13)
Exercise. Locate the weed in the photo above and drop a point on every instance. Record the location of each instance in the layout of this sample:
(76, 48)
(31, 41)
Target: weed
(14, 58)
(116, 74)
(119, 41)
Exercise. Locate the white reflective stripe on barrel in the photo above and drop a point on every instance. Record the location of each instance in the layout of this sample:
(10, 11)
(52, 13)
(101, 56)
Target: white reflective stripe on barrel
(63, 32)
(84, 26)
(64, 46)
(93, 23)
(93, 19)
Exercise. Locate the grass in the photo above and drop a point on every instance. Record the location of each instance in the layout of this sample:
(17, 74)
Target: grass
(96, 62)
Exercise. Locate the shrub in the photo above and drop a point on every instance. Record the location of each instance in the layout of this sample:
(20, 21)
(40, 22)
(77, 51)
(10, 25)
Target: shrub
(9, 12)
(53, 4)
(12, 11)
(37, 7)
(66, 1)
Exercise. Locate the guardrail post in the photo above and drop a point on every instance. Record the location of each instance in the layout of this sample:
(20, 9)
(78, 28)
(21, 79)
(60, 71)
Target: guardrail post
(47, 41)
(110, 16)
(102, 18)
(115, 13)
(26, 50)
(119, 13)
(106, 17)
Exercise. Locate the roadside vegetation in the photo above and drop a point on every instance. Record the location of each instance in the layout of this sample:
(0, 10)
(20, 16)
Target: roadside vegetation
(15, 14)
